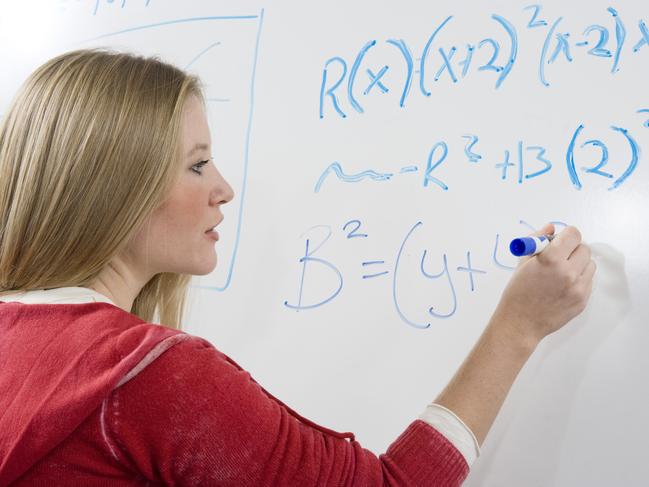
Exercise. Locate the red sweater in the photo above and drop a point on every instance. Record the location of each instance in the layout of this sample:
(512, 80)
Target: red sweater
(92, 395)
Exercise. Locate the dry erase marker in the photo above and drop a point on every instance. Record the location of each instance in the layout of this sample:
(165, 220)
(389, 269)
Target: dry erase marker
(529, 245)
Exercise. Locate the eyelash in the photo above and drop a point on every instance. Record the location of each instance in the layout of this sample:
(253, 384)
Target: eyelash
(201, 164)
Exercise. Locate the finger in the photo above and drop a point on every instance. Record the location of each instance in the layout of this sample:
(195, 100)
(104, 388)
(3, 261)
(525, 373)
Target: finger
(562, 245)
(580, 258)
(547, 229)
(587, 279)
(589, 271)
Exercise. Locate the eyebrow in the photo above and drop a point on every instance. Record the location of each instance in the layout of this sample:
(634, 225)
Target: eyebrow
(197, 147)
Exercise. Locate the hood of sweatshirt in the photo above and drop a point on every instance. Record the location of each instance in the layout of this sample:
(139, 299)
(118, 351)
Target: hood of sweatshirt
(58, 362)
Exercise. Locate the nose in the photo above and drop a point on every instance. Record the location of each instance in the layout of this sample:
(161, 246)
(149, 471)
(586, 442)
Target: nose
(223, 192)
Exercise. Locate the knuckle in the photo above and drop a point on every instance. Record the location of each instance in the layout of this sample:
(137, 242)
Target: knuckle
(572, 278)
(581, 253)
(550, 260)
(566, 280)
(585, 290)
(569, 277)
(578, 293)
(589, 272)
(575, 231)
(571, 232)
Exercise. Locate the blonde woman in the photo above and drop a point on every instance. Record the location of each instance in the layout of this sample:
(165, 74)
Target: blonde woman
(107, 190)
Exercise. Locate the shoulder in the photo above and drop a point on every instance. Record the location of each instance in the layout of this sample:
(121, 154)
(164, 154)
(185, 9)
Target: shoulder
(183, 361)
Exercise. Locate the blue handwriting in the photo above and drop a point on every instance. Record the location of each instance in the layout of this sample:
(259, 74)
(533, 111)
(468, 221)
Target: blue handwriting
(441, 305)
(341, 86)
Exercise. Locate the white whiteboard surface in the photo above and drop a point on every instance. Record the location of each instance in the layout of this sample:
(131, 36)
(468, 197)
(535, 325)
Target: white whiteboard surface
(451, 162)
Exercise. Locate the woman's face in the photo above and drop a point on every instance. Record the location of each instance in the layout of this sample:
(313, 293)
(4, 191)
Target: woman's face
(174, 239)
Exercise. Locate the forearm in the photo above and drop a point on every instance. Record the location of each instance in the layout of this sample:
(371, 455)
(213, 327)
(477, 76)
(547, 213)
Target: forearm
(478, 389)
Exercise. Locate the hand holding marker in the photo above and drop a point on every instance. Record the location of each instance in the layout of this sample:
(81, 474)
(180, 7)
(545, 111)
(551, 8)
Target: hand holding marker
(529, 245)
(548, 289)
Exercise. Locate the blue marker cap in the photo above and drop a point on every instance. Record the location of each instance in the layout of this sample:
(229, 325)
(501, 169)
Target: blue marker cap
(522, 246)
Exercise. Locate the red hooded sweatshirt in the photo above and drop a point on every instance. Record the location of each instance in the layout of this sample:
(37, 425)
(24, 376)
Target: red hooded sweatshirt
(91, 395)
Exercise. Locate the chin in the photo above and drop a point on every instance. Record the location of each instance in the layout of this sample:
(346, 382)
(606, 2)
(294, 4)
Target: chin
(206, 268)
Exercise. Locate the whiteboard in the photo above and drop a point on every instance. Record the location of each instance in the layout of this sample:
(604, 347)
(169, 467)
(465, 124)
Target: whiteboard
(383, 155)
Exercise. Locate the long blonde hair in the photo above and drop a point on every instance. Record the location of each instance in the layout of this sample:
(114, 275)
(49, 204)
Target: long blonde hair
(89, 147)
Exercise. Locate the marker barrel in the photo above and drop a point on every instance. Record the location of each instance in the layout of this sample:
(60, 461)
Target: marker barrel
(528, 245)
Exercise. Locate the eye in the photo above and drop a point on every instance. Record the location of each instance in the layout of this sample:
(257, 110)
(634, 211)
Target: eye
(200, 164)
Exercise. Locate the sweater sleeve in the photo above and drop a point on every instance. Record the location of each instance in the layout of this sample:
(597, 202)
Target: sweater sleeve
(194, 417)
(454, 429)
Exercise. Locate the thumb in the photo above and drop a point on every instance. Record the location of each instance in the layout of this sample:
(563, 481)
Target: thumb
(547, 229)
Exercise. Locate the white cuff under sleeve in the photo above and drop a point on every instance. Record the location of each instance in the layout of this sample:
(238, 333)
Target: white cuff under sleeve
(454, 429)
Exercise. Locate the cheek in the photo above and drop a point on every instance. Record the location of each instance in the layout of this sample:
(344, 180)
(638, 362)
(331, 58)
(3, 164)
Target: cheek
(170, 225)
(183, 212)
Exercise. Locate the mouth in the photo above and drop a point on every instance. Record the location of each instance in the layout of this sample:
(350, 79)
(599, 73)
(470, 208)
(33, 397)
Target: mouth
(213, 235)
(213, 229)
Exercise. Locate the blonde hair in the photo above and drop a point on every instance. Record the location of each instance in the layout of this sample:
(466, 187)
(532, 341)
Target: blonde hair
(89, 147)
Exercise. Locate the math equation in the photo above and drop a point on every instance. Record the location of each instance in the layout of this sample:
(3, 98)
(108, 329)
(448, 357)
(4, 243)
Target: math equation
(522, 161)
(345, 80)
(430, 267)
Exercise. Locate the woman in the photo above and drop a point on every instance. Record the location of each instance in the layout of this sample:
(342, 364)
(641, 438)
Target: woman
(106, 195)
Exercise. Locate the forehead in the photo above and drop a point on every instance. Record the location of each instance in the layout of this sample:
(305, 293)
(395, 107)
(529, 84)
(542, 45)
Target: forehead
(195, 129)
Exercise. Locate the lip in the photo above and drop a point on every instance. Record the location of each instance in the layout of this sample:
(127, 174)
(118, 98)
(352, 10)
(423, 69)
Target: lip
(213, 235)
(216, 224)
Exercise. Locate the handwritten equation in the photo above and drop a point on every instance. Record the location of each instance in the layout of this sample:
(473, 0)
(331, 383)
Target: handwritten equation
(378, 268)
(521, 162)
(343, 79)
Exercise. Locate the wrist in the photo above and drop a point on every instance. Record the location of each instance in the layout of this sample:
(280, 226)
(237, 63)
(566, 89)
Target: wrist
(513, 332)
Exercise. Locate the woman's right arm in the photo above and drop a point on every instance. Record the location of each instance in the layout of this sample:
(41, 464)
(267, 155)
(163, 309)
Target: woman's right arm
(545, 292)
(193, 417)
